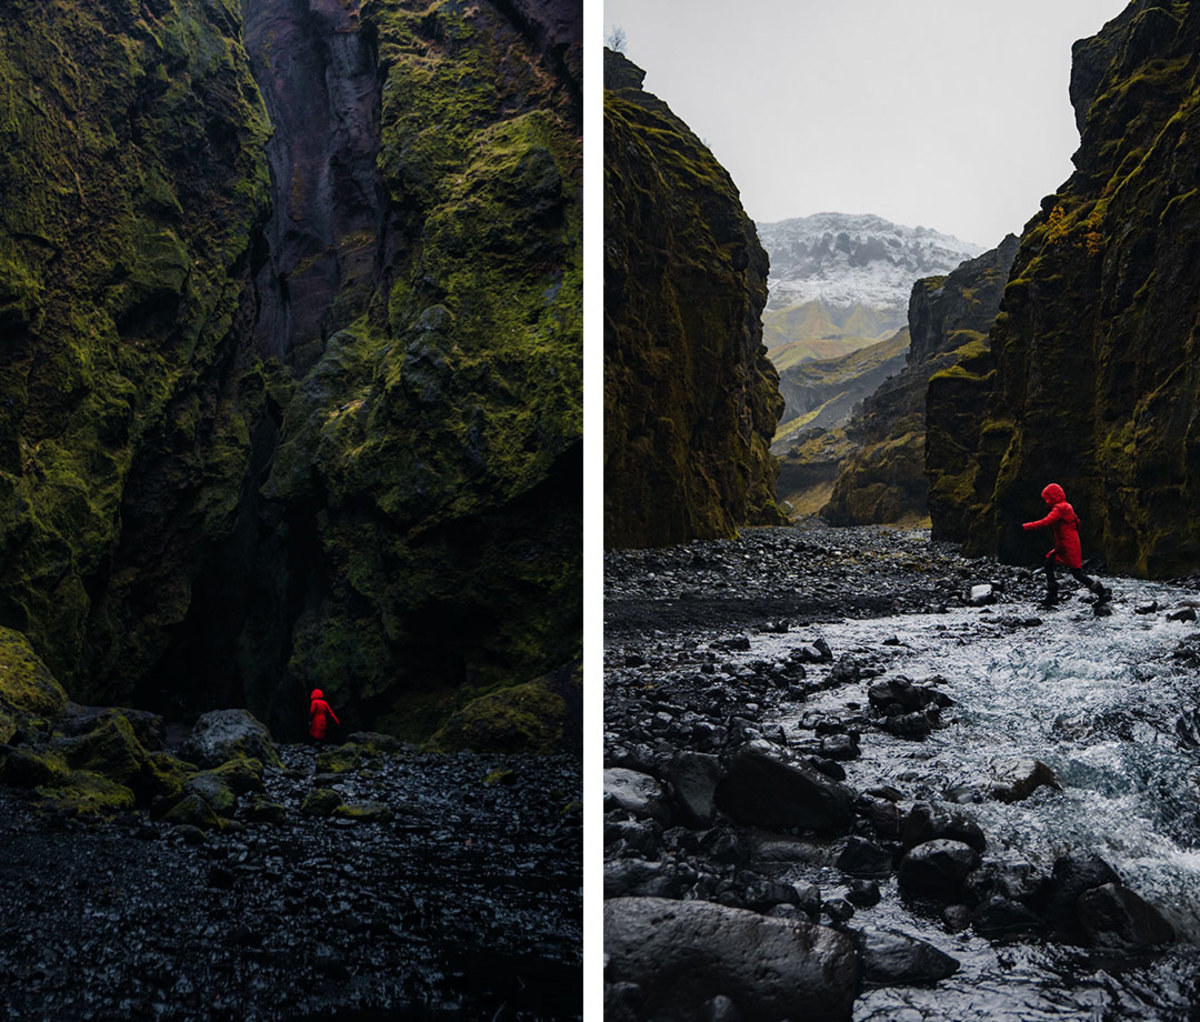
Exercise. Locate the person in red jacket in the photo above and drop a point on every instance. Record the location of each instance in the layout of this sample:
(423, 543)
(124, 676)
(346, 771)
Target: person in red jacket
(318, 712)
(1064, 522)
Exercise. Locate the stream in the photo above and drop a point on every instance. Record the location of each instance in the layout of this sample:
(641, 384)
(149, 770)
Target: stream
(1109, 703)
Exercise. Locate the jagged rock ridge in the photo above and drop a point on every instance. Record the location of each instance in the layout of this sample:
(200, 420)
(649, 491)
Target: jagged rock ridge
(844, 260)
(690, 398)
(1091, 380)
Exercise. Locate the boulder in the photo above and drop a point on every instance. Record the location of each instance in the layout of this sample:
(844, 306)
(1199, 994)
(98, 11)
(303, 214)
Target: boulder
(840, 747)
(320, 802)
(863, 858)
(914, 727)
(1112, 916)
(694, 777)
(26, 685)
(925, 823)
(365, 812)
(981, 594)
(638, 878)
(1074, 874)
(765, 787)
(937, 869)
(1014, 780)
(999, 916)
(906, 694)
(892, 958)
(220, 735)
(636, 793)
(683, 955)
(863, 893)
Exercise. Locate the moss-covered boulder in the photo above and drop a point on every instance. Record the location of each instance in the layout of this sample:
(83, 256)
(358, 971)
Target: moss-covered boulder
(539, 716)
(364, 812)
(113, 751)
(220, 736)
(1094, 384)
(320, 802)
(690, 398)
(86, 793)
(26, 686)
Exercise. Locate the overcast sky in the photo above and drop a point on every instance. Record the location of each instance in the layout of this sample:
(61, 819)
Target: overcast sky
(950, 114)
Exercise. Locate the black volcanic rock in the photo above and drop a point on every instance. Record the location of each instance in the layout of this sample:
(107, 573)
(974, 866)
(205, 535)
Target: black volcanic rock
(683, 954)
(766, 787)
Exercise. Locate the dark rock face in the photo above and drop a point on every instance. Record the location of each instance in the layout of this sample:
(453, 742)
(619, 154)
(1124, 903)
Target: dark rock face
(318, 76)
(948, 319)
(1094, 381)
(683, 955)
(690, 399)
(291, 391)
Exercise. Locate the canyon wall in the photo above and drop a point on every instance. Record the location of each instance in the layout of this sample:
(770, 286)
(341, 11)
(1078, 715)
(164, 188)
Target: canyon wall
(1092, 377)
(290, 296)
(690, 398)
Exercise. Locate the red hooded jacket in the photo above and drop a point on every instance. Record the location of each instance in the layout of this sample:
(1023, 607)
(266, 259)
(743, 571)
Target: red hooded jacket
(318, 710)
(1065, 523)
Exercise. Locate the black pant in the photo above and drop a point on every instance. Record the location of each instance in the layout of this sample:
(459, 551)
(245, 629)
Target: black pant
(1077, 573)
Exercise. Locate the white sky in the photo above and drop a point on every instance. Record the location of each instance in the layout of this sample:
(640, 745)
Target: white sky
(950, 114)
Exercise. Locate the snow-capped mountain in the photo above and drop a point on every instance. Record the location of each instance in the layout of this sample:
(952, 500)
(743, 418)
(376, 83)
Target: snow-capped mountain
(846, 259)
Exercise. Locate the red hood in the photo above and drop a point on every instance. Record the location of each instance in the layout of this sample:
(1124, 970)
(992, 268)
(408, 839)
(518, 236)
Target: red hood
(316, 694)
(1053, 494)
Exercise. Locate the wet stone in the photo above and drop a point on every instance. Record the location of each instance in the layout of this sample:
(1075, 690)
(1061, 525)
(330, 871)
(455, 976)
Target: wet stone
(636, 793)
(863, 893)
(864, 858)
(937, 869)
(893, 958)
(1014, 780)
(1112, 916)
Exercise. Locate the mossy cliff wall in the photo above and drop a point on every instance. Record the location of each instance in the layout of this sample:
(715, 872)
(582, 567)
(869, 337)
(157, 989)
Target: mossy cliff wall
(298, 413)
(690, 399)
(1093, 380)
(134, 183)
(948, 319)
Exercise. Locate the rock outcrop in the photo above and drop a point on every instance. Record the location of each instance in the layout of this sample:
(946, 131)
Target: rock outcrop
(290, 383)
(690, 399)
(884, 479)
(1091, 380)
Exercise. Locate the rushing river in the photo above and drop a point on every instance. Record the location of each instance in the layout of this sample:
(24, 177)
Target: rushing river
(1104, 703)
(1111, 704)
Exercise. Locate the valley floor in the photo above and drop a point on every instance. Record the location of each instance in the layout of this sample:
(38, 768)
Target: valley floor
(463, 903)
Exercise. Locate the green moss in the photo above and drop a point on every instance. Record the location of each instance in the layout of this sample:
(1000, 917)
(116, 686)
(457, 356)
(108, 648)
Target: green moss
(120, 239)
(86, 794)
(690, 399)
(523, 718)
(320, 802)
(339, 760)
(364, 812)
(26, 686)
